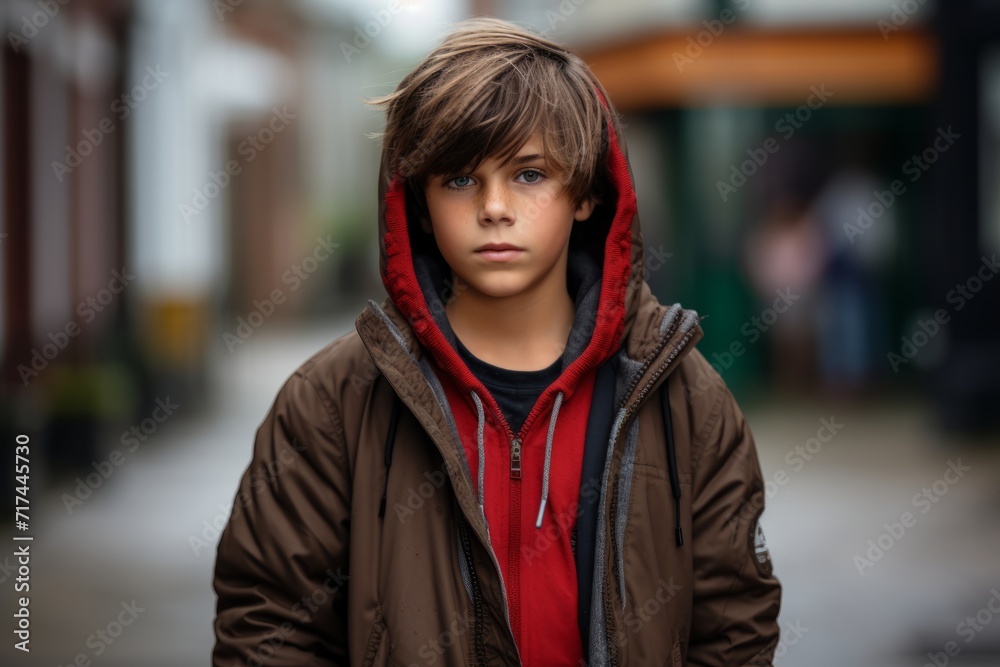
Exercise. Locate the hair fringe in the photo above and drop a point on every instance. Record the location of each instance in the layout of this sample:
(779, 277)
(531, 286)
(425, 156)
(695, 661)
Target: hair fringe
(482, 92)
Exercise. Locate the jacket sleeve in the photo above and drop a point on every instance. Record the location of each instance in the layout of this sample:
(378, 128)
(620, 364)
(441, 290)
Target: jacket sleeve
(281, 565)
(736, 598)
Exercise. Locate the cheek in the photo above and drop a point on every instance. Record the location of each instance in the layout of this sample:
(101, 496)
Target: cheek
(449, 230)
(555, 224)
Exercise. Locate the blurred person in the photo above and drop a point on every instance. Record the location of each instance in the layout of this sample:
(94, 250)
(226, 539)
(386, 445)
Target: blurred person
(786, 256)
(852, 305)
(481, 472)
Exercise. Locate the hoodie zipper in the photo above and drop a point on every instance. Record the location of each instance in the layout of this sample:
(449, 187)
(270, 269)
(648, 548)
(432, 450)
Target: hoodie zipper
(514, 544)
(515, 458)
(514, 529)
(515, 443)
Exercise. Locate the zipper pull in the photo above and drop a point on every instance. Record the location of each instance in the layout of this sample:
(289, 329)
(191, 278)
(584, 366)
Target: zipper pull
(515, 458)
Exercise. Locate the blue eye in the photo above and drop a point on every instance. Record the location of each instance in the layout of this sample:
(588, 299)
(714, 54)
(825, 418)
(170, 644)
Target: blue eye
(461, 181)
(529, 173)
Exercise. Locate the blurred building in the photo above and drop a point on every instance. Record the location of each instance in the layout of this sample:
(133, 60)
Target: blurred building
(789, 123)
(176, 175)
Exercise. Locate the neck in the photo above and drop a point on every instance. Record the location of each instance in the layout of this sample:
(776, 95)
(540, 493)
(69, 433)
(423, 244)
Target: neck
(527, 331)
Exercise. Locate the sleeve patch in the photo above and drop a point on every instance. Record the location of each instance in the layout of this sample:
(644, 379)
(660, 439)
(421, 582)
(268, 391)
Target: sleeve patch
(762, 555)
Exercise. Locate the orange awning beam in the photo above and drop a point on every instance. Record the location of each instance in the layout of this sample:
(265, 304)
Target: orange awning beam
(768, 67)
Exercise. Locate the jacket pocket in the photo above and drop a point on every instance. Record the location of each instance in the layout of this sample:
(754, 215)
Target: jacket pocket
(375, 651)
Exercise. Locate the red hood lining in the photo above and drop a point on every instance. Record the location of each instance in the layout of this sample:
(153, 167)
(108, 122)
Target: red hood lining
(403, 287)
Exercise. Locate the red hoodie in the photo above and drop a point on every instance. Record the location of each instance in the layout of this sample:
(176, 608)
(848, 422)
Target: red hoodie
(537, 563)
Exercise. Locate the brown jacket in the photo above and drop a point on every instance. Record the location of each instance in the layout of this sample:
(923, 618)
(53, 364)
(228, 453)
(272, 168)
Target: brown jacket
(309, 573)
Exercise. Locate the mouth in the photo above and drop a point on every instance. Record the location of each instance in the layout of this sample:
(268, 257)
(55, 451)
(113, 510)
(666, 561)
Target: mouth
(499, 252)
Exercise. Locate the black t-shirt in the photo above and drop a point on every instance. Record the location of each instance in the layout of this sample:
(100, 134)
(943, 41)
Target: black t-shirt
(515, 391)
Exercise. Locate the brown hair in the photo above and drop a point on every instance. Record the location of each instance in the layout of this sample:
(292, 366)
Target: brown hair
(486, 88)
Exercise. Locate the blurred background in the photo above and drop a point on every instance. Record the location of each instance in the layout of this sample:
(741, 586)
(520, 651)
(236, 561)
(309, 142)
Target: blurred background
(188, 211)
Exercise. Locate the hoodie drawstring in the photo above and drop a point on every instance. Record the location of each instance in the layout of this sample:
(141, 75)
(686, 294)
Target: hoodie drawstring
(481, 453)
(548, 458)
(481, 449)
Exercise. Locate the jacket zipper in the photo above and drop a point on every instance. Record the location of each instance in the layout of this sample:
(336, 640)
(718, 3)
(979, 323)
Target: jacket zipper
(477, 602)
(613, 653)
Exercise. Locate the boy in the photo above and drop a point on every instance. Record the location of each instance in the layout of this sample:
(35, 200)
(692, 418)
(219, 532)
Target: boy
(483, 472)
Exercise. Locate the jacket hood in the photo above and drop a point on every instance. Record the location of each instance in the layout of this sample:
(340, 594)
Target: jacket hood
(604, 275)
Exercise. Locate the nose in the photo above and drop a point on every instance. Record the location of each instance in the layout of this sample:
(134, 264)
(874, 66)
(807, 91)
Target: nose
(494, 204)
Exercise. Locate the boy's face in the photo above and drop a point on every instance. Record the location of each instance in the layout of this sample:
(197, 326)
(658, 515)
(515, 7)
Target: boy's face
(522, 204)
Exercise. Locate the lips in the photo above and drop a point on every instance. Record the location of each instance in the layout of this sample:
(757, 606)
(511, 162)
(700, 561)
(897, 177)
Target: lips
(497, 246)
(499, 252)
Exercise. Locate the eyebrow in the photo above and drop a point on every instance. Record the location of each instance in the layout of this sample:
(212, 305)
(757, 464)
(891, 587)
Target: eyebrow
(521, 159)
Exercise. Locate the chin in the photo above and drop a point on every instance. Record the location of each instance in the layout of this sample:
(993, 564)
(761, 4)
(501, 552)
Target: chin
(502, 293)
(498, 289)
